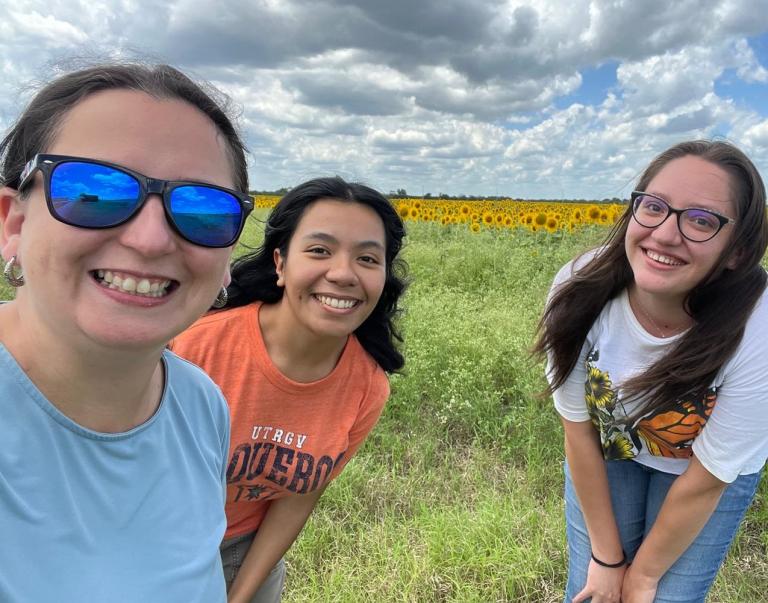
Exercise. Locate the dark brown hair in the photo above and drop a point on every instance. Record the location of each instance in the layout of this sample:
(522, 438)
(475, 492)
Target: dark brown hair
(720, 304)
(254, 277)
(37, 126)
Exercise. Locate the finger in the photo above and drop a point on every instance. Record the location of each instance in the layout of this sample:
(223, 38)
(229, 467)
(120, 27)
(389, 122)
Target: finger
(582, 596)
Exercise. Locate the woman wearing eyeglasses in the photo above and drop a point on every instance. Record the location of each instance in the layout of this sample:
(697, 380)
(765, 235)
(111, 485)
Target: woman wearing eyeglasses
(657, 347)
(124, 189)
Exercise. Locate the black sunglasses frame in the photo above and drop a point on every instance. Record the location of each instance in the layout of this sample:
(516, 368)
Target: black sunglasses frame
(723, 220)
(147, 186)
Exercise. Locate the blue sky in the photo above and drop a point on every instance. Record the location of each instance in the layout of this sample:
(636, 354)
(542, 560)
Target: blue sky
(529, 99)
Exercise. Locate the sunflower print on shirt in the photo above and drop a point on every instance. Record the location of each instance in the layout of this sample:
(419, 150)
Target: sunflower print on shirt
(667, 433)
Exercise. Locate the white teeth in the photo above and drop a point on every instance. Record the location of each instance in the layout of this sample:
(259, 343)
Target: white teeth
(334, 302)
(663, 258)
(128, 284)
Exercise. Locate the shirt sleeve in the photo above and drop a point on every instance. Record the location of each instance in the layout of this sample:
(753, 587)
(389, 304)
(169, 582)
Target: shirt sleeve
(370, 411)
(735, 438)
(225, 440)
(569, 397)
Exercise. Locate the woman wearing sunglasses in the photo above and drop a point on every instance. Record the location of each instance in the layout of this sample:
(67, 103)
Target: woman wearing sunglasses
(309, 338)
(657, 345)
(124, 189)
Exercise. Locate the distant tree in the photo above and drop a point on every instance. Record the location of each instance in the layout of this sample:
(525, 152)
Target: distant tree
(427, 195)
(401, 192)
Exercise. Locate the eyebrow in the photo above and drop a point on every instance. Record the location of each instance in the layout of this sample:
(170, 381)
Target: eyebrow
(324, 236)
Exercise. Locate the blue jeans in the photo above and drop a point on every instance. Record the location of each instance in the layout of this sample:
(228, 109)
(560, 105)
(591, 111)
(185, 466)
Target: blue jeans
(637, 493)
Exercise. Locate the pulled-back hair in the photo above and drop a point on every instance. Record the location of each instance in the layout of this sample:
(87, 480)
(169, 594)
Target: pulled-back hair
(254, 277)
(720, 304)
(36, 128)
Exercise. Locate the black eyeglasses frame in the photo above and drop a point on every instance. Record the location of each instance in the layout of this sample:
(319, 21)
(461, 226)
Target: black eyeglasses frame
(723, 220)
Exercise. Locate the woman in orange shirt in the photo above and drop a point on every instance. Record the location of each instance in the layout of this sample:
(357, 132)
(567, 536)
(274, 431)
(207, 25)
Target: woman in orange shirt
(301, 353)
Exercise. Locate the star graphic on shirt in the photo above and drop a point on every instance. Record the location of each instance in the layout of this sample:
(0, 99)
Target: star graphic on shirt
(254, 492)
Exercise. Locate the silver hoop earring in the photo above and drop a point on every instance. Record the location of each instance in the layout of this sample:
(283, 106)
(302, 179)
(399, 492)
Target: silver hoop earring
(221, 299)
(12, 273)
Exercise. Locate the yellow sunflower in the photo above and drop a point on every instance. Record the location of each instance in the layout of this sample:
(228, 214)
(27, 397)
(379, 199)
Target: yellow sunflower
(598, 388)
(618, 447)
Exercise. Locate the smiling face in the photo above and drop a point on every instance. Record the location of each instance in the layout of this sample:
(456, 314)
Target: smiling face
(160, 283)
(666, 266)
(334, 270)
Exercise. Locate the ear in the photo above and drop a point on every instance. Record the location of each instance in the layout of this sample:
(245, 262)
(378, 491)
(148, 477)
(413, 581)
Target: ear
(11, 220)
(279, 267)
(735, 259)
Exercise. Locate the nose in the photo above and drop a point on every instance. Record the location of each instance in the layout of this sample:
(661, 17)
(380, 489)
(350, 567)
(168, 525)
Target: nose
(668, 232)
(149, 232)
(341, 270)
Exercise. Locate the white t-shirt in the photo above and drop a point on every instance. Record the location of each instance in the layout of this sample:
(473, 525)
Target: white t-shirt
(727, 430)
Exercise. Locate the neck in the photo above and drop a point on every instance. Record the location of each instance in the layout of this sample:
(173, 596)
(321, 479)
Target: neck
(100, 388)
(297, 353)
(660, 316)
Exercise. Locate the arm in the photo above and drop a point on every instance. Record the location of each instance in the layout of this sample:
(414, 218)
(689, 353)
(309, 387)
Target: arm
(281, 526)
(585, 460)
(731, 442)
(687, 507)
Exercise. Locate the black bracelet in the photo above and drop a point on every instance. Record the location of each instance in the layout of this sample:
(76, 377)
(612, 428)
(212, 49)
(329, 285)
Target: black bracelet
(621, 563)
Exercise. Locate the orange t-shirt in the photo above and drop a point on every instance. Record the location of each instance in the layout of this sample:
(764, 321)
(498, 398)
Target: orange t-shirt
(287, 437)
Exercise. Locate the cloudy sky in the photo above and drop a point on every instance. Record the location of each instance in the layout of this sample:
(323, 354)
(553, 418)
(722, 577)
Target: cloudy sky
(528, 98)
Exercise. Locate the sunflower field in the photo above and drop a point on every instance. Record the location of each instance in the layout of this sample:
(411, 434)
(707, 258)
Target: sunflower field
(547, 216)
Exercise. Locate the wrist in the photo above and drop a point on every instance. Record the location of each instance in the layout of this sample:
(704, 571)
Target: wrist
(610, 563)
(644, 575)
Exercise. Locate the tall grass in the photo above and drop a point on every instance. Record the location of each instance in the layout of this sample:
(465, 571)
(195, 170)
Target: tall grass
(456, 496)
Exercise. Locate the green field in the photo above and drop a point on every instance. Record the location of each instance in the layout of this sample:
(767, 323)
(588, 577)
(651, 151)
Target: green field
(456, 496)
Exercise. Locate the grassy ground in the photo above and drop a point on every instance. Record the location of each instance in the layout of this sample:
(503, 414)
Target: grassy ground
(456, 496)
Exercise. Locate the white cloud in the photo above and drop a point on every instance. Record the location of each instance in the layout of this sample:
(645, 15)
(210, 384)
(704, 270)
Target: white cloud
(471, 96)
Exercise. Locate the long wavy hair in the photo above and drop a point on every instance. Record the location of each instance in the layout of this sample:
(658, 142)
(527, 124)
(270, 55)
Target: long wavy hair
(254, 277)
(720, 304)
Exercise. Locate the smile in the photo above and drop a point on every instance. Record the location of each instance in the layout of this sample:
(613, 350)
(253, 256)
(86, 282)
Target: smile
(663, 259)
(335, 302)
(127, 283)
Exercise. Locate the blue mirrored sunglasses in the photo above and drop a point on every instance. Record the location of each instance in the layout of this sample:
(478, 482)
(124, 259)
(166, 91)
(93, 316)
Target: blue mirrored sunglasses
(96, 194)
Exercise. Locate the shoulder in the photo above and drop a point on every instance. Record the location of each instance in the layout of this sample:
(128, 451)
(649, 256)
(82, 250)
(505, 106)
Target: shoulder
(191, 390)
(217, 321)
(214, 332)
(750, 359)
(571, 268)
(359, 359)
(756, 328)
(366, 371)
(758, 320)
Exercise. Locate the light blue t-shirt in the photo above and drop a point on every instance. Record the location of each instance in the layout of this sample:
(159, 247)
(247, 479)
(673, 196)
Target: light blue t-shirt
(133, 517)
